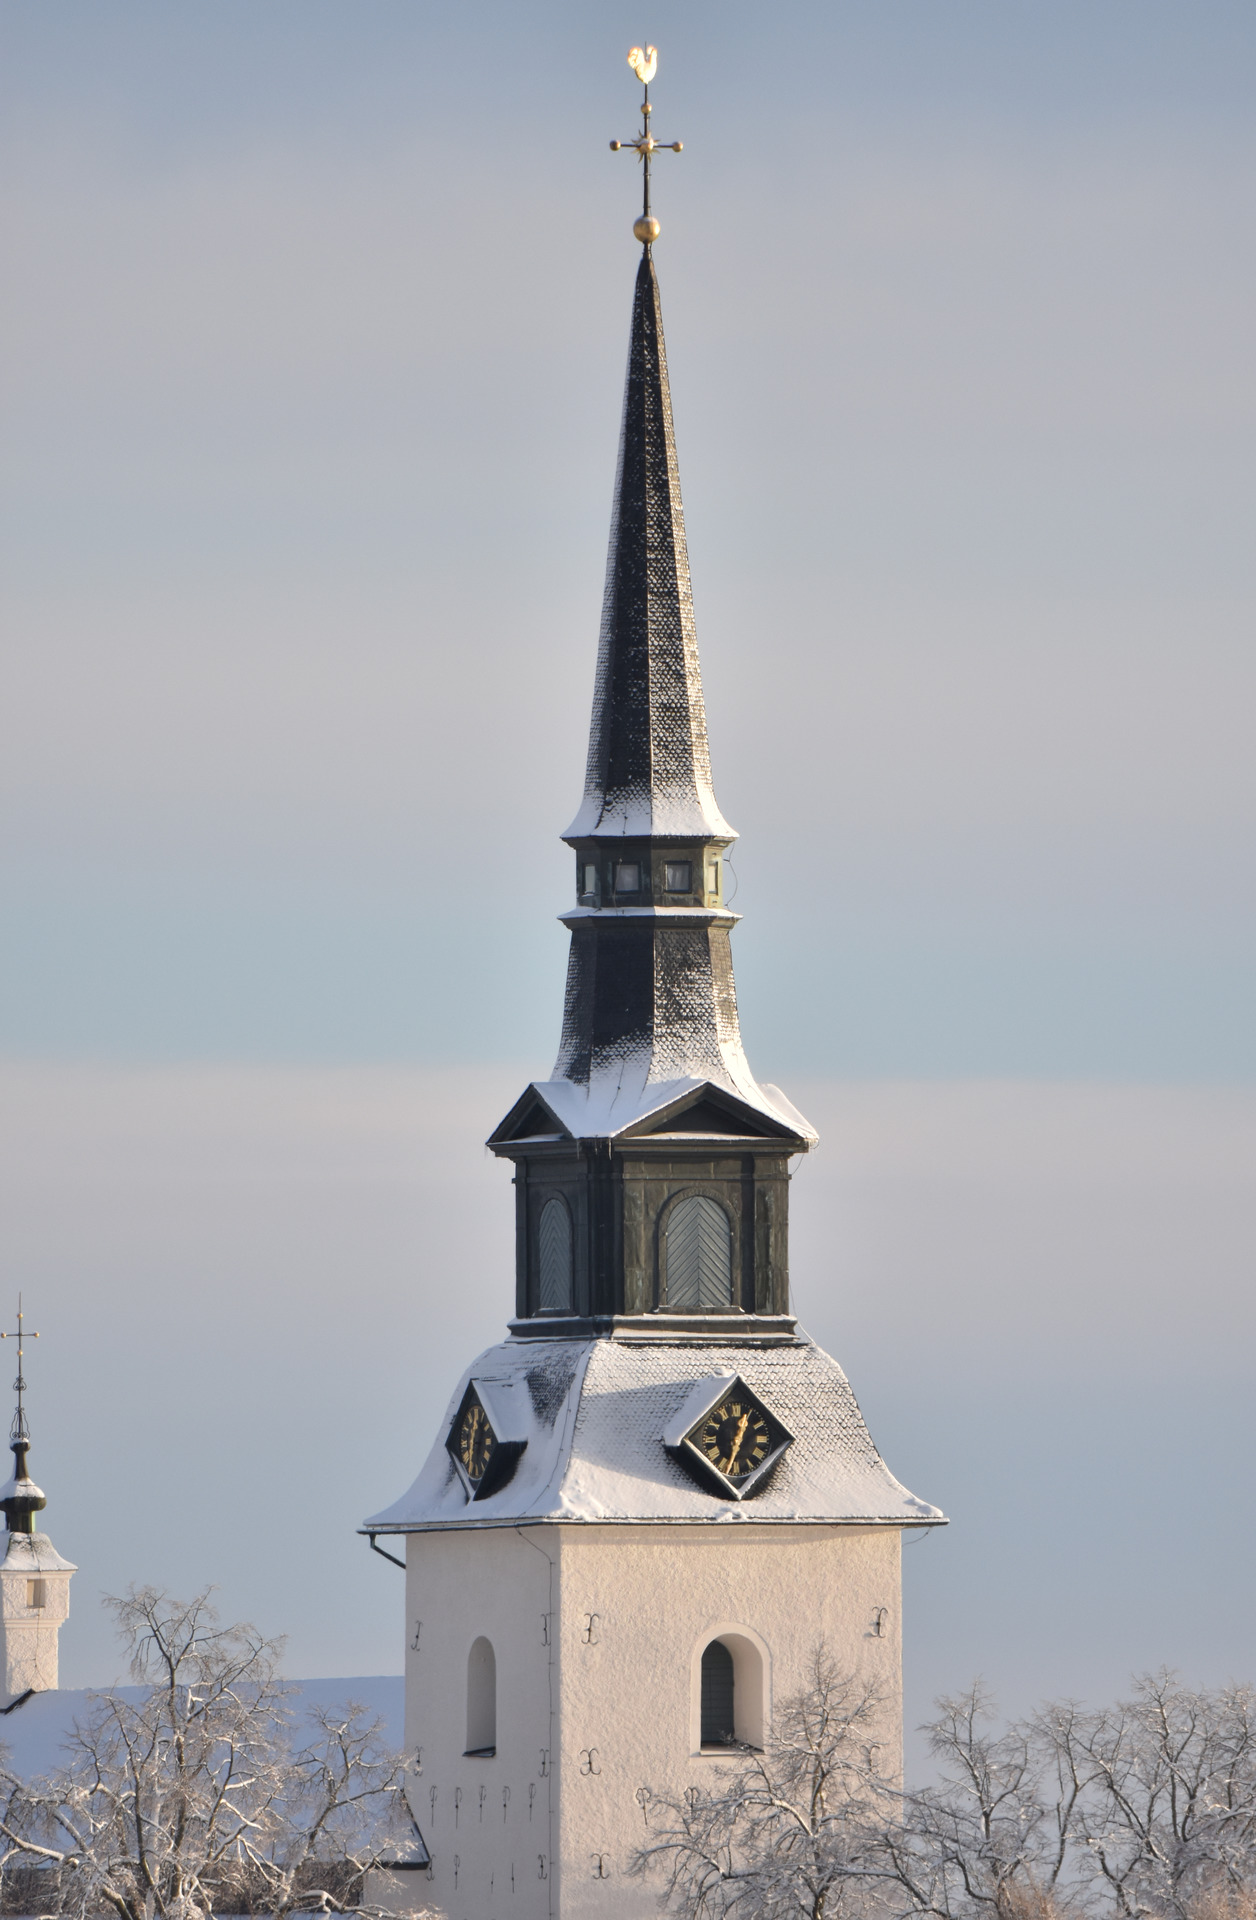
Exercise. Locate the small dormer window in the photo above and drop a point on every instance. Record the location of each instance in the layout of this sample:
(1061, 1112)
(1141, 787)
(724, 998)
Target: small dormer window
(627, 876)
(677, 876)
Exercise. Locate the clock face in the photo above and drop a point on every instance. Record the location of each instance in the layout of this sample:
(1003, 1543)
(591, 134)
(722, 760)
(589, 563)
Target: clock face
(485, 1456)
(736, 1436)
(476, 1442)
(737, 1444)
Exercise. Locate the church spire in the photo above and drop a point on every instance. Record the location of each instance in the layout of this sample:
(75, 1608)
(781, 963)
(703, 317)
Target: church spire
(651, 1008)
(649, 766)
(652, 1131)
(22, 1499)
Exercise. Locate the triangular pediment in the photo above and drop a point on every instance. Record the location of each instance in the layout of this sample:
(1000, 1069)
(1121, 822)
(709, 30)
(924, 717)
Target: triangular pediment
(531, 1118)
(713, 1113)
(704, 1117)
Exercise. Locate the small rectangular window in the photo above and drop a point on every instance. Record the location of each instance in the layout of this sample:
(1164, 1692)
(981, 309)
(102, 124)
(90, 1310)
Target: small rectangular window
(677, 876)
(35, 1594)
(628, 877)
(713, 879)
(590, 881)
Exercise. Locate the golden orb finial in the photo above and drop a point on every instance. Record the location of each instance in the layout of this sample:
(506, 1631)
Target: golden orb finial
(646, 229)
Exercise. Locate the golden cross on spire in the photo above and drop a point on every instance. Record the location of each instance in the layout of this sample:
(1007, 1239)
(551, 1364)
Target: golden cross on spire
(644, 63)
(19, 1429)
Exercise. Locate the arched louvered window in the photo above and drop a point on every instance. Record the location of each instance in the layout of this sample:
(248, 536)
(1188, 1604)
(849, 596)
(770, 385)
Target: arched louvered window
(699, 1254)
(481, 1698)
(718, 1716)
(554, 1256)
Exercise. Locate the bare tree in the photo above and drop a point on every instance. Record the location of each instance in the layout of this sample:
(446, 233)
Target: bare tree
(994, 1835)
(1141, 1811)
(1167, 1819)
(197, 1799)
(789, 1834)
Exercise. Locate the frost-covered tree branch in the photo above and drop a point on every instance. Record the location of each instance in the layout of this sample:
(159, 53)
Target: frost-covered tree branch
(790, 1834)
(205, 1796)
(1141, 1811)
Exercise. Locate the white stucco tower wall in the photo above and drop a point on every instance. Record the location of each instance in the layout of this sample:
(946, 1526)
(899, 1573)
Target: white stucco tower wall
(34, 1604)
(597, 1634)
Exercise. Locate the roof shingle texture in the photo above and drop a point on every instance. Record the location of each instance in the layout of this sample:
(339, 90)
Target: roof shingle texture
(595, 1412)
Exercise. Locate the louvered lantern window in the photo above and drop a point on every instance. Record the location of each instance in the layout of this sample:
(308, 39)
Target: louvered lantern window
(677, 875)
(718, 1721)
(554, 1261)
(628, 876)
(699, 1255)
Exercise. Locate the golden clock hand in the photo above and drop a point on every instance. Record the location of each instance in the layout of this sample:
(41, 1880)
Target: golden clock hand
(741, 1434)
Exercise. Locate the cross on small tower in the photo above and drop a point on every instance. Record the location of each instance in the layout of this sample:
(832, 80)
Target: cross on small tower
(19, 1430)
(644, 63)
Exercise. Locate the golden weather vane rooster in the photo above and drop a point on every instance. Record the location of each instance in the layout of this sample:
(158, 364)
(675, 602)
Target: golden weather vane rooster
(644, 62)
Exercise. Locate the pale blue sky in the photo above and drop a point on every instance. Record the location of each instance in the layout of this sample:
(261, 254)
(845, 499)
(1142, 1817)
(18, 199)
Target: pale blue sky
(314, 321)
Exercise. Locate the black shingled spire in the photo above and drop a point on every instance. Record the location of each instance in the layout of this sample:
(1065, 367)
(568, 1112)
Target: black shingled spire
(649, 769)
(650, 993)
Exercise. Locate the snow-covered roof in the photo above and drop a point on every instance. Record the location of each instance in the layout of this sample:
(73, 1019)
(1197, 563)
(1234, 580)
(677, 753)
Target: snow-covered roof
(22, 1488)
(597, 1413)
(621, 1098)
(34, 1553)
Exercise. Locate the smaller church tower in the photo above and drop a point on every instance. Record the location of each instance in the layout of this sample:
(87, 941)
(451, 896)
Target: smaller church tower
(34, 1579)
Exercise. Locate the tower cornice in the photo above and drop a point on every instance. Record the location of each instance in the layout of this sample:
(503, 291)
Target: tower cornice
(659, 916)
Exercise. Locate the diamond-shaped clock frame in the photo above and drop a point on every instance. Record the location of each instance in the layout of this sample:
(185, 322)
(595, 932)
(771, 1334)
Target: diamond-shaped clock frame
(682, 1443)
(506, 1446)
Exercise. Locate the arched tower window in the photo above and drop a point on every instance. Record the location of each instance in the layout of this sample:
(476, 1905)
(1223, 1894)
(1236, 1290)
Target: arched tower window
(719, 1717)
(699, 1254)
(728, 1702)
(482, 1699)
(554, 1256)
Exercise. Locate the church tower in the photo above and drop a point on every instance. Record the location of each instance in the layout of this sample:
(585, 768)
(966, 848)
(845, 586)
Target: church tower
(646, 1506)
(34, 1579)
